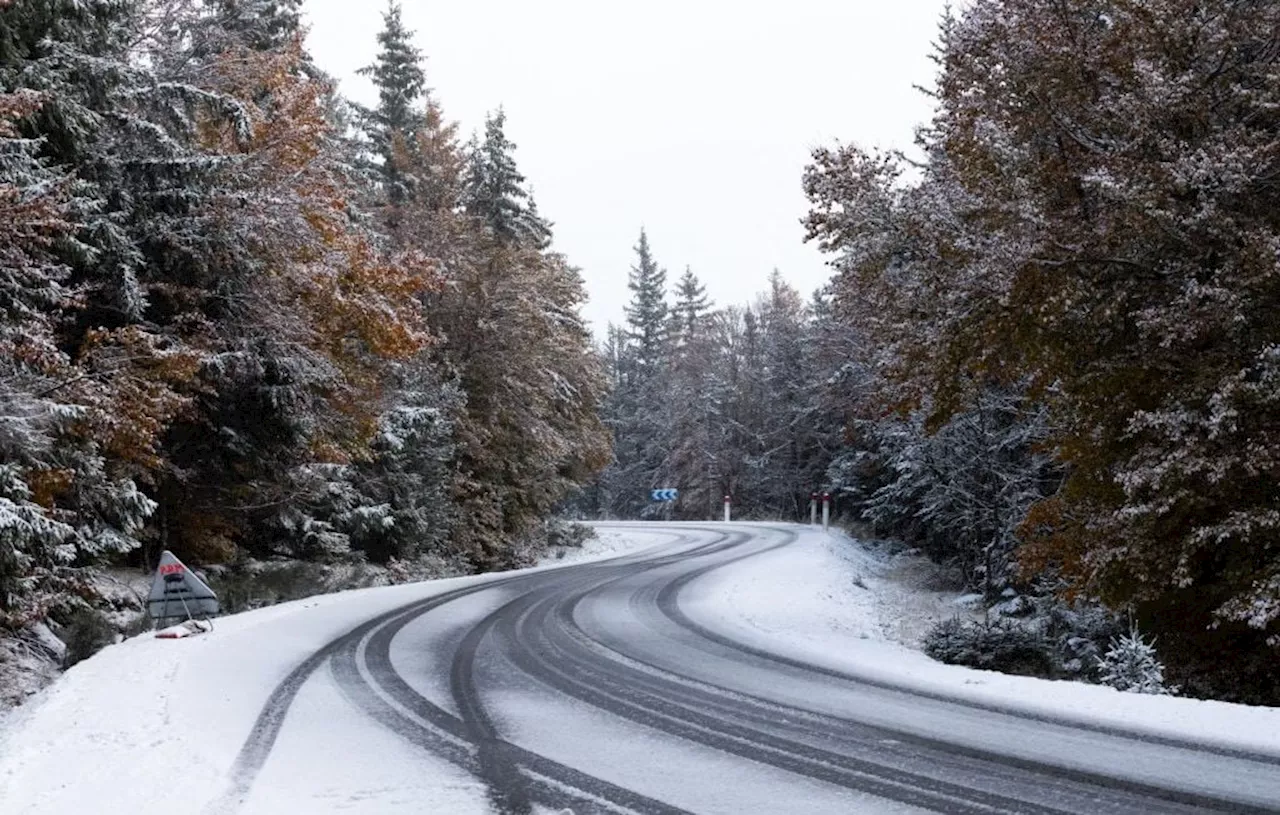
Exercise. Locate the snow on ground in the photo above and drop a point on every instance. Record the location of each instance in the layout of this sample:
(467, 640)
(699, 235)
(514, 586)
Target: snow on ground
(825, 599)
(852, 589)
(609, 541)
(32, 659)
(387, 776)
(25, 668)
(835, 602)
(914, 594)
(120, 702)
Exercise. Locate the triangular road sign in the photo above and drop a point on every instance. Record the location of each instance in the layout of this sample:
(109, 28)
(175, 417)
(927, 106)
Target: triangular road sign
(177, 594)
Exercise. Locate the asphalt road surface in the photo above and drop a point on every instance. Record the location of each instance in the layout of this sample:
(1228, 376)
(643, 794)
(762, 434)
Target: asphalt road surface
(588, 688)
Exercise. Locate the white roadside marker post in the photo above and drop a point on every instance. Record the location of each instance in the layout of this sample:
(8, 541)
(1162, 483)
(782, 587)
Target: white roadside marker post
(728, 502)
(813, 508)
(826, 511)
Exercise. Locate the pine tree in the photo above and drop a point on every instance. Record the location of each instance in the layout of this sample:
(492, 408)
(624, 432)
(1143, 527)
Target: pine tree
(1076, 228)
(695, 399)
(530, 433)
(262, 25)
(59, 505)
(82, 403)
(294, 310)
(786, 433)
(690, 310)
(398, 74)
(526, 428)
(646, 314)
(1131, 665)
(640, 404)
(494, 190)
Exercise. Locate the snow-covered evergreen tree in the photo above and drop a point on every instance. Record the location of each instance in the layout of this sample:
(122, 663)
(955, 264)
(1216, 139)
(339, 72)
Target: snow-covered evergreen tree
(639, 406)
(1131, 665)
(494, 191)
(1093, 224)
(695, 399)
(962, 491)
(63, 502)
(263, 25)
(398, 74)
(789, 454)
(647, 314)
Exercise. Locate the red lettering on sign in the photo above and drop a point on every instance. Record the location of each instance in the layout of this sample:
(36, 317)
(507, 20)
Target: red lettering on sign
(170, 568)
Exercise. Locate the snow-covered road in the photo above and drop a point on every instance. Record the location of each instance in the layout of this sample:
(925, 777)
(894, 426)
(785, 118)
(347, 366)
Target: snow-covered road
(712, 669)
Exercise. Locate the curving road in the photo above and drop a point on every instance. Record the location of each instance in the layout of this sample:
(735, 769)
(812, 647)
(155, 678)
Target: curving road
(590, 688)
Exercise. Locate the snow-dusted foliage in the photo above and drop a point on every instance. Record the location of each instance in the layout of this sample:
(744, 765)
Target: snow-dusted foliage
(223, 321)
(63, 502)
(403, 510)
(494, 191)
(637, 409)
(509, 344)
(1080, 630)
(1095, 225)
(1035, 633)
(389, 127)
(715, 402)
(1131, 665)
(962, 491)
(1000, 644)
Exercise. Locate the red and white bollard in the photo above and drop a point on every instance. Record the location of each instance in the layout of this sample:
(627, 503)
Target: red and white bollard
(826, 511)
(728, 503)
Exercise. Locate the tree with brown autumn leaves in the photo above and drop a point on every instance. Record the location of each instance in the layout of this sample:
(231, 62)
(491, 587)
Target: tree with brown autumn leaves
(1096, 226)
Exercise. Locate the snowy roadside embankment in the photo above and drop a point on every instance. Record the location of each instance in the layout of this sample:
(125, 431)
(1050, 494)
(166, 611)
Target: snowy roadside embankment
(835, 602)
(608, 540)
(139, 703)
(146, 708)
(116, 725)
(34, 658)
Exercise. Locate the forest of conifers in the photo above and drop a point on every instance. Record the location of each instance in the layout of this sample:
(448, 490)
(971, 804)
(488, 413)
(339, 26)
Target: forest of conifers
(245, 318)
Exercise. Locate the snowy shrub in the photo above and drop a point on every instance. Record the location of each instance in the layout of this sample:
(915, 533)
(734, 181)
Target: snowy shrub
(1131, 665)
(425, 567)
(85, 634)
(1079, 631)
(997, 645)
(961, 491)
(554, 534)
(256, 584)
(567, 534)
(29, 660)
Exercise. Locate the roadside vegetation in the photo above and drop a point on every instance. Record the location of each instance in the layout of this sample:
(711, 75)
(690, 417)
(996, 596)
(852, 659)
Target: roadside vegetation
(248, 321)
(1048, 354)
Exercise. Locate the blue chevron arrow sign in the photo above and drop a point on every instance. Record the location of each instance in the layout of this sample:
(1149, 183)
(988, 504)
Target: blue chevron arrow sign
(664, 495)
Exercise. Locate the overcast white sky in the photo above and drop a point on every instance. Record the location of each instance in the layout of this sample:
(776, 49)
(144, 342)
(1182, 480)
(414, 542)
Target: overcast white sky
(693, 119)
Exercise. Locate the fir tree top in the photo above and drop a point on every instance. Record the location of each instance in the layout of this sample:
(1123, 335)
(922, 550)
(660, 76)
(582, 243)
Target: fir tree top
(398, 74)
(647, 311)
(692, 303)
(495, 190)
(262, 25)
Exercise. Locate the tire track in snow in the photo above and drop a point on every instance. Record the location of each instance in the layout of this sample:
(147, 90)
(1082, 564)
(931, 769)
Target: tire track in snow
(656, 694)
(349, 655)
(537, 631)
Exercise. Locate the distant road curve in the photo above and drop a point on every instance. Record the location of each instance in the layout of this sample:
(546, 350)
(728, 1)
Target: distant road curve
(589, 688)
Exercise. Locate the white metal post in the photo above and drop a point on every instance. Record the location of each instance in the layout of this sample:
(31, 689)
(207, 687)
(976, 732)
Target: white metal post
(728, 502)
(826, 511)
(813, 508)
